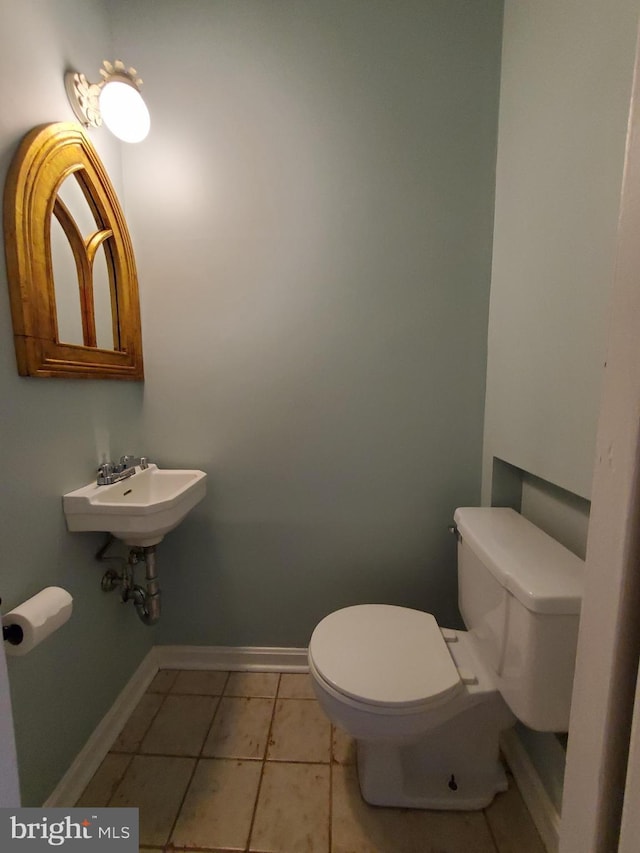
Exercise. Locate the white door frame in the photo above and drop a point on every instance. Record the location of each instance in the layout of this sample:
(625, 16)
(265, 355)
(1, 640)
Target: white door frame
(9, 789)
(609, 641)
(630, 828)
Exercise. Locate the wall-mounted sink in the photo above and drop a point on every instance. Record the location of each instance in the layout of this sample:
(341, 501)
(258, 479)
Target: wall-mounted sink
(140, 509)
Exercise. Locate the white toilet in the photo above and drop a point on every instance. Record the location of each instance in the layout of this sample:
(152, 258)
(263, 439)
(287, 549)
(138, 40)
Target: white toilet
(426, 705)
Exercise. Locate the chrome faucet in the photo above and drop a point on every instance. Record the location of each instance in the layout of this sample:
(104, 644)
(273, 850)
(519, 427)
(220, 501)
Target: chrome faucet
(113, 472)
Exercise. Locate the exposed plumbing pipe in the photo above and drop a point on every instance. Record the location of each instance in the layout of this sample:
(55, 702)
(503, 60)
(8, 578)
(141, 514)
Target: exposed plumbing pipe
(147, 602)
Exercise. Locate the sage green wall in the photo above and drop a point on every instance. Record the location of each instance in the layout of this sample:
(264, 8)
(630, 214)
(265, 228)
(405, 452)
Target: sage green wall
(313, 212)
(53, 433)
(564, 99)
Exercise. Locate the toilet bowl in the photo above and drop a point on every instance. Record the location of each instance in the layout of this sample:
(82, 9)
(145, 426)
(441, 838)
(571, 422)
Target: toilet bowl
(424, 711)
(427, 705)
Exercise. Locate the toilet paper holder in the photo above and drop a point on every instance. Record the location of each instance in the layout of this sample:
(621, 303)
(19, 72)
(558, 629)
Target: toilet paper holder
(28, 624)
(12, 634)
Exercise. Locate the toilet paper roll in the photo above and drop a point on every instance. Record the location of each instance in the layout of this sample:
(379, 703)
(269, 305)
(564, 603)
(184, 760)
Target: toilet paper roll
(37, 618)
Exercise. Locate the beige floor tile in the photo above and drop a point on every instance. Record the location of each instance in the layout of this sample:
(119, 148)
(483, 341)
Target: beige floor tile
(181, 726)
(137, 725)
(105, 780)
(343, 746)
(156, 786)
(295, 686)
(511, 823)
(219, 805)
(263, 684)
(359, 827)
(240, 728)
(300, 732)
(162, 681)
(200, 682)
(292, 815)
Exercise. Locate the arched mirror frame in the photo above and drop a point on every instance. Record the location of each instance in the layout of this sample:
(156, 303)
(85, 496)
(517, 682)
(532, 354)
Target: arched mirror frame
(46, 156)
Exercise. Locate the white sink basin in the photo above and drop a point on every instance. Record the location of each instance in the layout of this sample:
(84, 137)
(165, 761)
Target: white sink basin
(141, 509)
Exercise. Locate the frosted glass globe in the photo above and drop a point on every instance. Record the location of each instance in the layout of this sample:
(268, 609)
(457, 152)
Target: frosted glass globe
(124, 111)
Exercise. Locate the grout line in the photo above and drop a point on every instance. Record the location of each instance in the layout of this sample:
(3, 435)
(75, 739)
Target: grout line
(200, 755)
(196, 695)
(168, 690)
(215, 714)
(297, 699)
(117, 784)
(130, 754)
(264, 764)
(297, 761)
(151, 721)
(136, 751)
(179, 809)
(195, 765)
(169, 849)
(491, 832)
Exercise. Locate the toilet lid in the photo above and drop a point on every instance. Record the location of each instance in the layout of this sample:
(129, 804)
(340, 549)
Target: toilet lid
(384, 655)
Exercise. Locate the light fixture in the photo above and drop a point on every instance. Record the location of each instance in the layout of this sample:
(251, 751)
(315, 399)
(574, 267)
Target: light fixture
(116, 100)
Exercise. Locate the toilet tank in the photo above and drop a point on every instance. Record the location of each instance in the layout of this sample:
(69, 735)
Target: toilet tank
(519, 593)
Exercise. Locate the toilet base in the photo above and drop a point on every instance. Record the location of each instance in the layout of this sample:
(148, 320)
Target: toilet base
(454, 766)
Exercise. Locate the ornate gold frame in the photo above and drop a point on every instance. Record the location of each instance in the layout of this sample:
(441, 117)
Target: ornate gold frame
(47, 155)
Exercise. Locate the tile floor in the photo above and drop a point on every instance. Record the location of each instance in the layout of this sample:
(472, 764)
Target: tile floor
(220, 761)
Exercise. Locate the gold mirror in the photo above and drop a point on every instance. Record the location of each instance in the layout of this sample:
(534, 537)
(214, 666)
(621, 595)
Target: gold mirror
(70, 263)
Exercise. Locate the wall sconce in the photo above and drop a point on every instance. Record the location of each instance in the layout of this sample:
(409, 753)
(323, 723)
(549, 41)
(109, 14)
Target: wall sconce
(116, 100)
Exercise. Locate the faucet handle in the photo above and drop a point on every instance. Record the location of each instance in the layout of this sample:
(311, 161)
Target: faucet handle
(105, 473)
(130, 461)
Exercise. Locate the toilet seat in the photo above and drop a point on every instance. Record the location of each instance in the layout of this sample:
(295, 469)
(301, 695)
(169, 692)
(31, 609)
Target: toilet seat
(385, 657)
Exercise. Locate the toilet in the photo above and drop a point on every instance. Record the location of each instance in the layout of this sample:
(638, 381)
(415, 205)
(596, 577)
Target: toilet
(426, 705)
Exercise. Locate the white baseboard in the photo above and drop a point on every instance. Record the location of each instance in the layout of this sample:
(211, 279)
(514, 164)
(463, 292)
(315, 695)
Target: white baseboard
(239, 658)
(92, 754)
(542, 810)
(90, 757)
